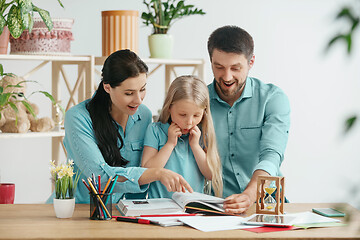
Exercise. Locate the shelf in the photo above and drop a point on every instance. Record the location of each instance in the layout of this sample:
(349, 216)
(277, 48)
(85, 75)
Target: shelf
(46, 57)
(60, 133)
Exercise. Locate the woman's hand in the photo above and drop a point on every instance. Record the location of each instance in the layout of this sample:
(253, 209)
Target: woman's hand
(174, 132)
(173, 181)
(194, 137)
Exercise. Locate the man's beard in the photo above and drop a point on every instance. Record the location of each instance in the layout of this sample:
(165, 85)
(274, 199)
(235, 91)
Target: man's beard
(227, 93)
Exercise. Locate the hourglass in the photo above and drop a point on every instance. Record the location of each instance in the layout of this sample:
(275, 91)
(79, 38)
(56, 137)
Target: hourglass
(269, 201)
(265, 202)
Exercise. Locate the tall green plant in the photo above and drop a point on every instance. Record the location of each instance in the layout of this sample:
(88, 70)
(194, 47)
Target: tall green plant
(20, 16)
(160, 14)
(351, 17)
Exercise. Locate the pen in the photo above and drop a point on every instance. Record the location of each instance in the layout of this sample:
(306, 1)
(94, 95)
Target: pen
(173, 215)
(134, 220)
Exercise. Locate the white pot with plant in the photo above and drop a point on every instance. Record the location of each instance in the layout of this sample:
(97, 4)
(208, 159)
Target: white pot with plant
(161, 15)
(20, 17)
(65, 186)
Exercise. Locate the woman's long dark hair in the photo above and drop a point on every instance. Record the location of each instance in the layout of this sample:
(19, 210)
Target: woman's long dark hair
(118, 67)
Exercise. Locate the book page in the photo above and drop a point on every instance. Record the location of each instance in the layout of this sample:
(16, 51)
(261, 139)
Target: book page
(184, 198)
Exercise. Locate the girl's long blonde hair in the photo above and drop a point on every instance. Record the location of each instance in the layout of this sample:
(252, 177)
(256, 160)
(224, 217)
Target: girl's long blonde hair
(192, 88)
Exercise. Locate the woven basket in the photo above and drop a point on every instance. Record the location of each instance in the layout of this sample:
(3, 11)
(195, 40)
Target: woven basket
(42, 42)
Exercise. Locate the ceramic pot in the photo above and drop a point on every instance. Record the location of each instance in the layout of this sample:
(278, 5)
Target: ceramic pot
(7, 193)
(161, 45)
(4, 40)
(64, 208)
(120, 30)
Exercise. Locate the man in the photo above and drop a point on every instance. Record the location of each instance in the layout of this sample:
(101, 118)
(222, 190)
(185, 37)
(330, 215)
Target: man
(251, 118)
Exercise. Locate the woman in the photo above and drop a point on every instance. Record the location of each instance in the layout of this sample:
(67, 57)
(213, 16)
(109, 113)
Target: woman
(104, 135)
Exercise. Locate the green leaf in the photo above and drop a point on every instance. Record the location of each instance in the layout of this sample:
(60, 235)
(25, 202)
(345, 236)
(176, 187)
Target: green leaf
(31, 22)
(13, 106)
(29, 108)
(14, 22)
(4, 99)
(25, 18)
(350, 123)
(349, 42)
(60, 3)
(345, 13)
(2, 24)
(25, 6)
(45, 15)
(1, 70)
(1, 89)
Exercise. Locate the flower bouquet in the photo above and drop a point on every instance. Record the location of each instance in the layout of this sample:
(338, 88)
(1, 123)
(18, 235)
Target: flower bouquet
(65, 186)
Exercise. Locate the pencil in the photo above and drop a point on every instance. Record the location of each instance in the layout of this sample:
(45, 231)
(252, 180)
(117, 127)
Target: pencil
(113, 182)
(99, 182)
(107, 184)
(86, 185)
(98, 197)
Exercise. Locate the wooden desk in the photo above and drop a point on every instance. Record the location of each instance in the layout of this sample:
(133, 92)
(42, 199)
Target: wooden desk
(39, 222)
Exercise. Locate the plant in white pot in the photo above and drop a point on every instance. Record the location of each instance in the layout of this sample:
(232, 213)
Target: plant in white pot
(65, 186)
(161, 15)
(18, 15)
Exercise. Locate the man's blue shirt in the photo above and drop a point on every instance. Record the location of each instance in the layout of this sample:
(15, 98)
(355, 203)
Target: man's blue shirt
(252, 134)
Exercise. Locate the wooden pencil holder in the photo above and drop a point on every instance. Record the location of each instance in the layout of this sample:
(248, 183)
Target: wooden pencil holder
(261, 194)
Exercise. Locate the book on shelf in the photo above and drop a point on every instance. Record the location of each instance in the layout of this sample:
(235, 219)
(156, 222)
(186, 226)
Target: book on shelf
(186, 202)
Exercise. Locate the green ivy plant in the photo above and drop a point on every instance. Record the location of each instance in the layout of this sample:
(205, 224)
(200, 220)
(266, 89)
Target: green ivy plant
(352, 18)
(20, 16)
(160, 14)
(9, 99)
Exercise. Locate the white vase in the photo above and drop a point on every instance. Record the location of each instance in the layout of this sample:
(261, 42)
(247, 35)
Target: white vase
(161, 45)
(64, 208)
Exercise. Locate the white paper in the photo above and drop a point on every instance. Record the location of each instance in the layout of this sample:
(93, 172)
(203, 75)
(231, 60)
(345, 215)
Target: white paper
(215, 223)
(310, 217)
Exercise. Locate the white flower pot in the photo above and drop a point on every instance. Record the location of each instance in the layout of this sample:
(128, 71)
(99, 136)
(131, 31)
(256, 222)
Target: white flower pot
(161, 45)
(64, 208)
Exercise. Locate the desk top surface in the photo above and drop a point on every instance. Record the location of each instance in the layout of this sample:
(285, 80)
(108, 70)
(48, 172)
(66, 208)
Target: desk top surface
(34, 221)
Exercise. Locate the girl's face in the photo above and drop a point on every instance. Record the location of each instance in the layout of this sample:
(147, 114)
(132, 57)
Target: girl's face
(127, 97)
(186, 114)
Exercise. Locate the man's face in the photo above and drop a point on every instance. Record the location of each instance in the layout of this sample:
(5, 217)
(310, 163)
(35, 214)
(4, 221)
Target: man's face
(230, 72)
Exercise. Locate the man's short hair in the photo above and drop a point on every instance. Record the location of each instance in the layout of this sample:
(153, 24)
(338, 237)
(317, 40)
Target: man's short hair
(231, 39)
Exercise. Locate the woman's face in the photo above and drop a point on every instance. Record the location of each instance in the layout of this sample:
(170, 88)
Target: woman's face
(186, 114)
(127, 97)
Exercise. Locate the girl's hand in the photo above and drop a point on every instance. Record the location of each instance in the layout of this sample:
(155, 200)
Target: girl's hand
(173, 133)
(174, 182)
(194, 137)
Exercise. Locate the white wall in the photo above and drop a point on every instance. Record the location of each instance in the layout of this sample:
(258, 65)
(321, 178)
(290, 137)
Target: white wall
(321, 164)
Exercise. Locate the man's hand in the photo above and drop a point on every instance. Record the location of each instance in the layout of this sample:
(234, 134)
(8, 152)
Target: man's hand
(238, 203)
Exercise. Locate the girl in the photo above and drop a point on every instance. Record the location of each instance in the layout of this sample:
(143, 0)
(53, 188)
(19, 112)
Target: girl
(104, 135)
(184, 139)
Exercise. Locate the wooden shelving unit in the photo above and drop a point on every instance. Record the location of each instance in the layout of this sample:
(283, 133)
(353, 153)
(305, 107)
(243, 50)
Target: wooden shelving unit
(84, 86)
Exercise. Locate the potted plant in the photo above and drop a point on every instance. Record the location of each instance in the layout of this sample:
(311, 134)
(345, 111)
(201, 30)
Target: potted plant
(20, 17)
(161, 15)
(65, 186)
(11, 98)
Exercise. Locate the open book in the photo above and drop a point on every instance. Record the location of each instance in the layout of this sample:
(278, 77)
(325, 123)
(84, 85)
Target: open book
(186, 202)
